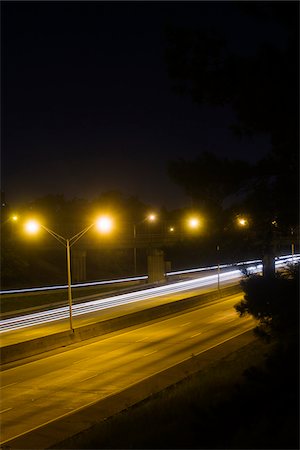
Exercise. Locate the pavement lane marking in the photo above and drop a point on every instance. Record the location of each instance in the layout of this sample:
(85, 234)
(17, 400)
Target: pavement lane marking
(224, 340)
(88, 378)
(197, 334)
(151, 353)
(4, 410)
(230, 320)
(185, 324)
(79, 361)
(7, 385)
(143, 339)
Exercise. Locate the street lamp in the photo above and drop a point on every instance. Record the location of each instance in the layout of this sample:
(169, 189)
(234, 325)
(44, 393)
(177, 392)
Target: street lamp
(242, 221)
(12, 218)
(193, 222)
(150, 218)
(293, 245)
(103, 224)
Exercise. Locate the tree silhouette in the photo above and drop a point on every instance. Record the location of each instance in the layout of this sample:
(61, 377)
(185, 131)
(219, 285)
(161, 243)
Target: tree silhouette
(261, 88)
(274, 303)
(208, 180)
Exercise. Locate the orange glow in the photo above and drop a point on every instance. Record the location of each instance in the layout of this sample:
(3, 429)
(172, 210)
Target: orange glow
(242, 221)
(104, 224)
(193, 222)
(152, 217)
(32, 226)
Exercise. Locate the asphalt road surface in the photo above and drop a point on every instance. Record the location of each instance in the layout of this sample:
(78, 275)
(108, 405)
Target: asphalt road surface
(45, 389)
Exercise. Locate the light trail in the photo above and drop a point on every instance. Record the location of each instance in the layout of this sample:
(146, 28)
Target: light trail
(109, 302)
(138, 278)
(65, 286)
(52, 315)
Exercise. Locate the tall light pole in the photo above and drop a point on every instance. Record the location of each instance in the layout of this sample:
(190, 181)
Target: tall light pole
(134, 248)
(149, 218)
(218, 261)
(293, 245)
(104, 225)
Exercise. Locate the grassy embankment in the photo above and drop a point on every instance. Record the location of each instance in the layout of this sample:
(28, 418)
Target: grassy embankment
(219, 407)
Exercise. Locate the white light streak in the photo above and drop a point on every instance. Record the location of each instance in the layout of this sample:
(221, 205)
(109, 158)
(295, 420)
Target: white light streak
(52, 315)
(289, 258)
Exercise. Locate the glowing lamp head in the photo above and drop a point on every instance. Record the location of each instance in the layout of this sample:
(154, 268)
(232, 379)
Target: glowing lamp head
(242, 222)
(193, 223)
(14, 218)
(32, 227)
(152, 217)
(104, 224)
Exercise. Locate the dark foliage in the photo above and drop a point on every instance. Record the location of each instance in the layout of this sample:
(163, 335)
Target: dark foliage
(208, 179)
(274, 303)
(262, 90)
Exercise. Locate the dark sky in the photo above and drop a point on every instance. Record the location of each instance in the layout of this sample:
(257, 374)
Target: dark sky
(87, 104)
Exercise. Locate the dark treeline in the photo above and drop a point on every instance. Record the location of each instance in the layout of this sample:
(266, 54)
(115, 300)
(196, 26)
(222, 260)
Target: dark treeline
(261, 89)
(35, 260)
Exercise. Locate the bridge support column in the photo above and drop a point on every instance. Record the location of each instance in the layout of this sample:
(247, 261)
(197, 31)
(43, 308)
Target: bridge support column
(78, 265)
(156, 265)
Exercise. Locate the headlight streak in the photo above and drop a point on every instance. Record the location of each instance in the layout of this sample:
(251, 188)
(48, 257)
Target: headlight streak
(105, 303)
(44, 317)
(139, 278)
(65, 286)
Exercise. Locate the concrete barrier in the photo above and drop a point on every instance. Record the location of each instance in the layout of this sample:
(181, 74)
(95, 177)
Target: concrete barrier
(15, 352)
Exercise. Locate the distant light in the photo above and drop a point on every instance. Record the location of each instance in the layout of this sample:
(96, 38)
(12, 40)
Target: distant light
(14, 218)
(152, 217)
(171, 229)
(104, 224)
(32, 227)
(242, 221)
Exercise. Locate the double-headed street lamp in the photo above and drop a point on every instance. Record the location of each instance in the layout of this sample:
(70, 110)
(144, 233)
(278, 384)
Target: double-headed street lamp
(103, 224)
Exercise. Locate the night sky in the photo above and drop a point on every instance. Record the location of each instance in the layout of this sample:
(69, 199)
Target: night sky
(87, 104)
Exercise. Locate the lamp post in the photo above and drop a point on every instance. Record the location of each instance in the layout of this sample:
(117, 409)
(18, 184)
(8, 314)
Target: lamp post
(218, 262)
(293, 245)
(103, 224)
(150, 218)
(134, 248)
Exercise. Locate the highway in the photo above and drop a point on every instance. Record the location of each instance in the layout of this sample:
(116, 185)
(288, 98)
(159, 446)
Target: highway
(45, 389)
(55, 314)
(102, 304)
